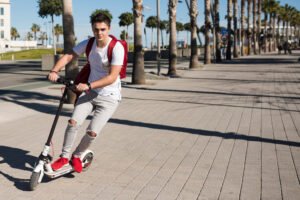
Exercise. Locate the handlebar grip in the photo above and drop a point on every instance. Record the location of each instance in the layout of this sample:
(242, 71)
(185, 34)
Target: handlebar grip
(61, 80)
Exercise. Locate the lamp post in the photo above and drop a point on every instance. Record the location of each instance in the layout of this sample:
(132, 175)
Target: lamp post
(158, 36)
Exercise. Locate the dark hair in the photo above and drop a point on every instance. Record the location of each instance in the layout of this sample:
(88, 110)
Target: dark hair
(100, 17)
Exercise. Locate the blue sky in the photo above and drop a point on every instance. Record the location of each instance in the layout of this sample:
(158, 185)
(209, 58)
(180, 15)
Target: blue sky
(24, 14)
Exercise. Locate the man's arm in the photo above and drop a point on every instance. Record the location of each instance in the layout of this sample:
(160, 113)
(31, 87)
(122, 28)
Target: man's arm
(61, 63)
(107, 80)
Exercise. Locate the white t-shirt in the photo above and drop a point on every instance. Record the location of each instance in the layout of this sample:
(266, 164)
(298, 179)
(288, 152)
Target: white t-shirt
(100, 66)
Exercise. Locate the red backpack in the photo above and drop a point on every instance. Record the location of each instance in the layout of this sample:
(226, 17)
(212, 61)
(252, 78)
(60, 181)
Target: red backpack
(83, 75)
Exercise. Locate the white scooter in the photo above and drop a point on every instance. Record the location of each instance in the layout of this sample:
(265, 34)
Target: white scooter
(43, 164)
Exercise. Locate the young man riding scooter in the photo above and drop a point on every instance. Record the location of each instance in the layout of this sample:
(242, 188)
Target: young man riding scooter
(100, 95)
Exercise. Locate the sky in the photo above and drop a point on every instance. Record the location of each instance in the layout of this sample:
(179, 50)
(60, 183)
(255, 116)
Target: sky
(25, 12)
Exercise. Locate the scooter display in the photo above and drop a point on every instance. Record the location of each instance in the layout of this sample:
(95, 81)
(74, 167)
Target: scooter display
(43, 163)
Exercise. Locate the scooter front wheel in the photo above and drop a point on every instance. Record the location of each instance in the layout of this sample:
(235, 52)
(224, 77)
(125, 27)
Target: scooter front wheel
(35, 180)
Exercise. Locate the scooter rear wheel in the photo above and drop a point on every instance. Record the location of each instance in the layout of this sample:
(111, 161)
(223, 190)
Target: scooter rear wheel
(34, 180)
(87, 161)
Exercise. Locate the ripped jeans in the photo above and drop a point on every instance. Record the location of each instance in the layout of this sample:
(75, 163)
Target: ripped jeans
(103, 108)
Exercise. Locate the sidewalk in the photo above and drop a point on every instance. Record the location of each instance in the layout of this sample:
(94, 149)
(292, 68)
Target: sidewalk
(227, 131)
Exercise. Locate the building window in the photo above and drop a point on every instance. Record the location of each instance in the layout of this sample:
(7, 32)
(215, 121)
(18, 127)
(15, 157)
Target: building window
(1, 11)
(1, 22)
(2, 35)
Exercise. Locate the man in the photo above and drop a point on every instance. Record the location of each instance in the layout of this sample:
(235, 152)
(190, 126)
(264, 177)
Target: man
(101, 94)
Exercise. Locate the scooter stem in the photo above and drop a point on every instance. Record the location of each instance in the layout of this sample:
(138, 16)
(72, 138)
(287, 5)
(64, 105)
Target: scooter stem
(62, 99)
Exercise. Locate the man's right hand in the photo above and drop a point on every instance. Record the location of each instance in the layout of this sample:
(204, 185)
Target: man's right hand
(53, 76)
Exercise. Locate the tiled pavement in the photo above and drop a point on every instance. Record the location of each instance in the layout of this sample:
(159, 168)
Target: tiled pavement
(227, 131)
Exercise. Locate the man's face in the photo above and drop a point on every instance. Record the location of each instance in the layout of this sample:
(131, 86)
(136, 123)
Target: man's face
(100, 30)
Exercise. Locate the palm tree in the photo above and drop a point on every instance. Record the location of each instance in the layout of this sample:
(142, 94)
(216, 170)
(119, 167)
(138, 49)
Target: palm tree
(279, 20)
(229, 17)
(274, 7)
(242, 26)
(265, 9)
(259, 25)
(180, 28)
(254, 35)
(235, 33)
(151, 22)
(138, 72)
(269, 9)
(248, 27)
(58, 30)
(123, 35)
(207, 52)
(217, 33)
(35, 28)
(69, 42)
(172, 44)
(126, 19)
(14, 33)
(43, 36)
(29, 36)
(187, 28)
(286, 16)
(163, 26)
(50, 7)
(295, 22)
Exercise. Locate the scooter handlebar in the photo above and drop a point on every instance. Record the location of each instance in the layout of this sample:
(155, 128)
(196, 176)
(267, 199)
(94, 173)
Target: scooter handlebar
(65, 81)
(68, 83)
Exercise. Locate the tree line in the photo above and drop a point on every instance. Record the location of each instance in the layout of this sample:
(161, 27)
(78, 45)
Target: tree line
(264, 24)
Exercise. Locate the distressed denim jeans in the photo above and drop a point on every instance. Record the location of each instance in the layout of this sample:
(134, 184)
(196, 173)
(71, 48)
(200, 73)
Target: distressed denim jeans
(102, 107)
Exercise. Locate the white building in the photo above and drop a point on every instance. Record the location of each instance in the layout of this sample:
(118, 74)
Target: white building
(4, 25)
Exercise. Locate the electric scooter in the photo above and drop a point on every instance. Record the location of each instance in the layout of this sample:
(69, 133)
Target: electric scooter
(43, 164)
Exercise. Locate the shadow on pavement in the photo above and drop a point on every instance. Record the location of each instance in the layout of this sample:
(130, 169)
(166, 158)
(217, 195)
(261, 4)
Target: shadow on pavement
(20, 98)
(235, 136)
(17, 159)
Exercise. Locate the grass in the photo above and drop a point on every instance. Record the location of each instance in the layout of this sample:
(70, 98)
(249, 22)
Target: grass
(25, 54)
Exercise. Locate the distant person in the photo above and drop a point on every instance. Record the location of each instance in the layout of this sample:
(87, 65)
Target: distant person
(289, 47)
(285, 47)
(279, 48)
(100, 95)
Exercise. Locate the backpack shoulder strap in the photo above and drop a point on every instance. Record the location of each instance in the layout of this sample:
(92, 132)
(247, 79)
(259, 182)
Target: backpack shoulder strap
(111, 46)
(89, 47)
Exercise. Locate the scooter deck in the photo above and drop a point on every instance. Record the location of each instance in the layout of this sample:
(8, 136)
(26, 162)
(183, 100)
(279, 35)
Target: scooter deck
(64, 170)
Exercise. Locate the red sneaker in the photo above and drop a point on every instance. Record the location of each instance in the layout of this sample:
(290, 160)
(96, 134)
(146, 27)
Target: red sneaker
(77, 164)
(59, 163)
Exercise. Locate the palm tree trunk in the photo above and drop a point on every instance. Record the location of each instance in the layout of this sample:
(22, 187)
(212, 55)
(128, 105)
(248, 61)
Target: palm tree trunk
(127, 36)
(278, 43)
(242, 26)
(229, 17)
(235, 36)
(138, 72)
(173, 35)
(194, 63)
(218, 34)
(270, 28)
(248, 28)
(265, 31)
(273, 33)
(151, 39)
(162, 39)
(259, 26)
(254, 35)
(207, 51)
(53, 35)
(69, 42)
